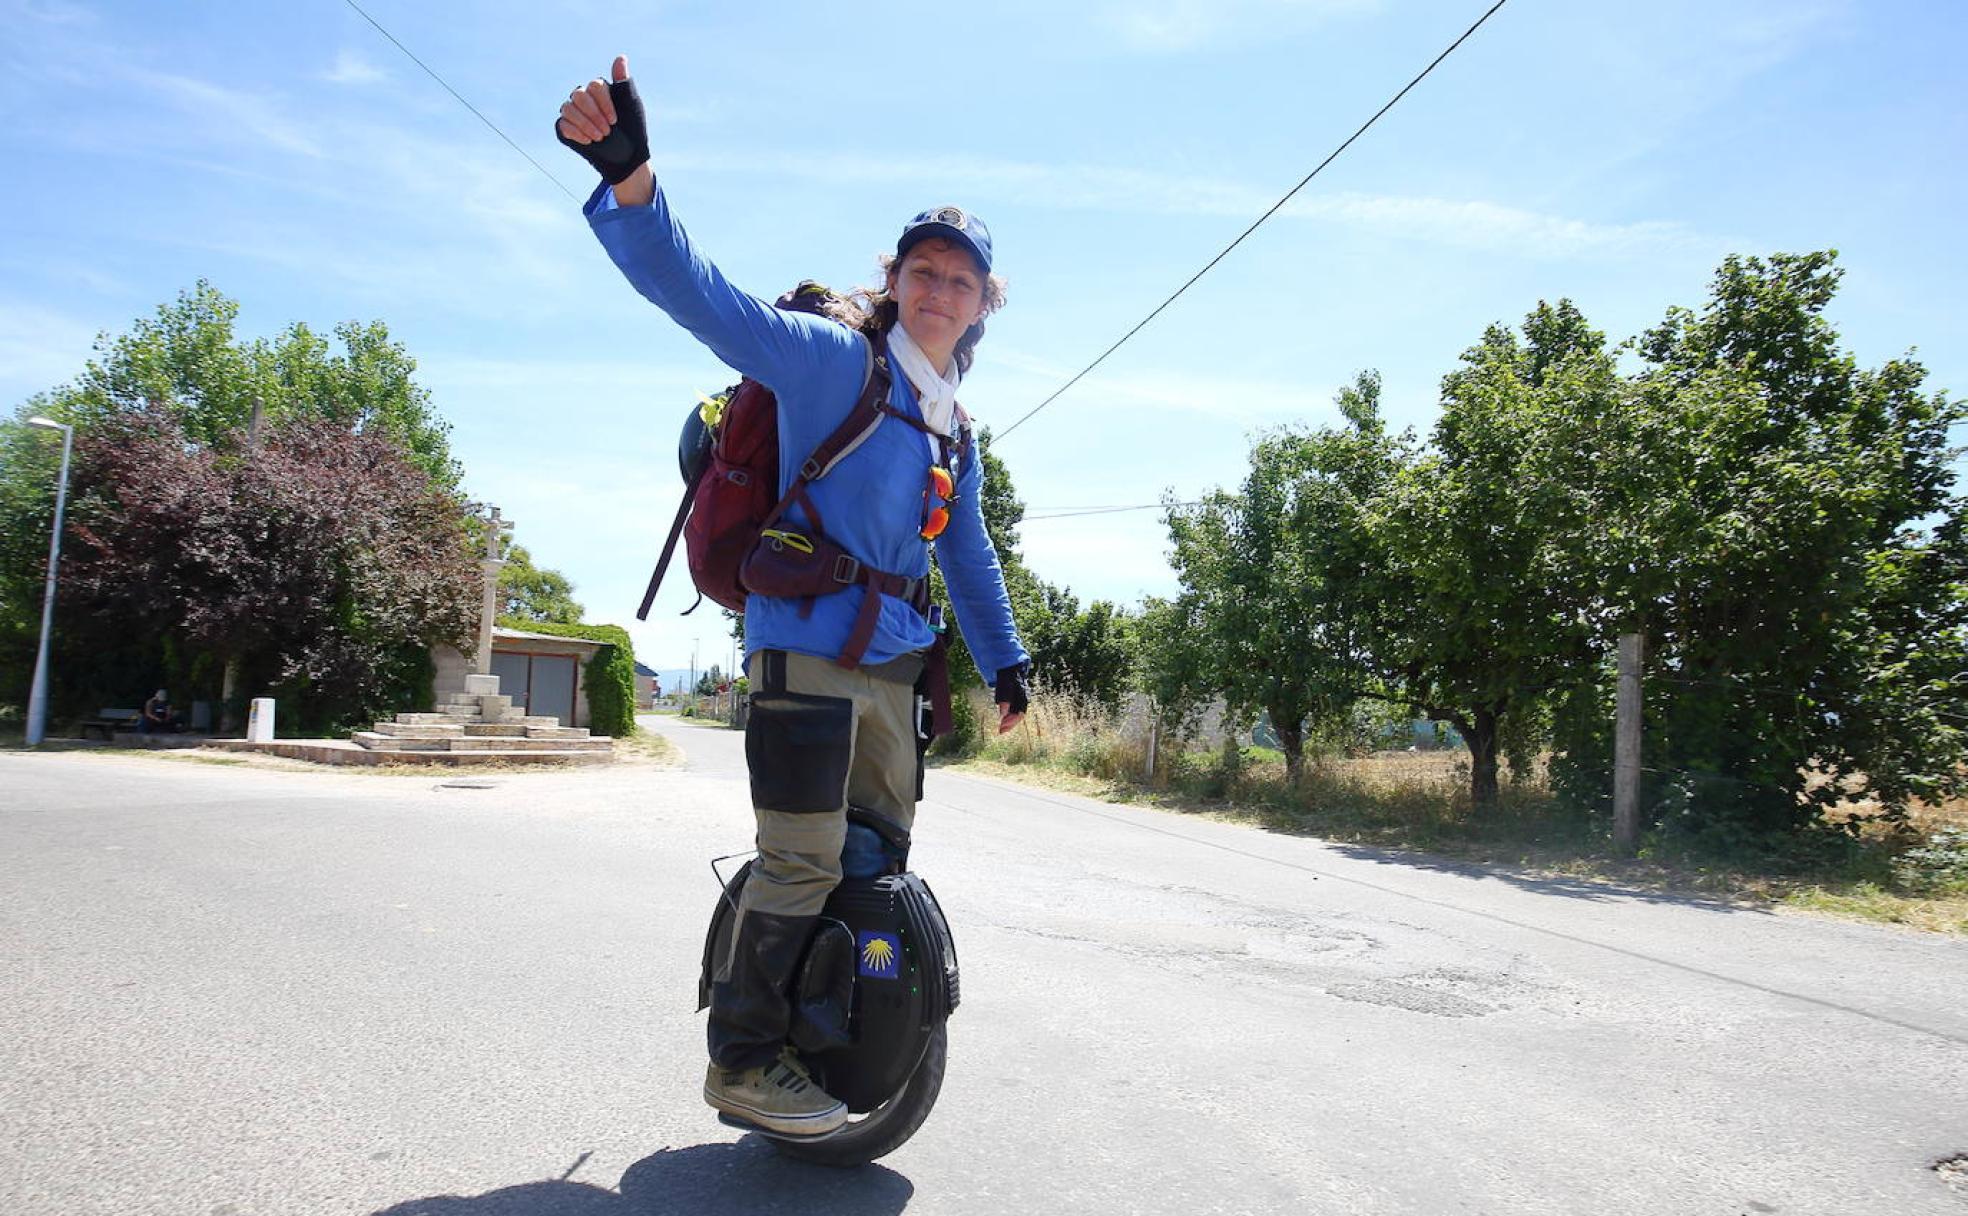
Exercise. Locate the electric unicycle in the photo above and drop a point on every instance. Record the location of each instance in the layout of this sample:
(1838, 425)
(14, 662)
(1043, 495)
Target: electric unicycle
(870, 1000)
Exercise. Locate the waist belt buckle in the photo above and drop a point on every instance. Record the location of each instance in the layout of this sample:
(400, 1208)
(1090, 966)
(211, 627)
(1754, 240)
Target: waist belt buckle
(847, 568)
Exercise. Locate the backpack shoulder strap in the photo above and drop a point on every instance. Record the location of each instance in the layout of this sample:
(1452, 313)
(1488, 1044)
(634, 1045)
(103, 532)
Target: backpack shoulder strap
(853, 431)
(861, 421)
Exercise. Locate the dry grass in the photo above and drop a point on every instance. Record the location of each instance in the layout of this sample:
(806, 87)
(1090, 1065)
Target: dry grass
(648, 747)
(1420, 801)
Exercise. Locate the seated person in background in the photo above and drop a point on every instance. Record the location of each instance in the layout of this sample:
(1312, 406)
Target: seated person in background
(157, 715)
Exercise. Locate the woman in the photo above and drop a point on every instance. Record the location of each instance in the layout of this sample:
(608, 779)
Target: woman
(833, 716)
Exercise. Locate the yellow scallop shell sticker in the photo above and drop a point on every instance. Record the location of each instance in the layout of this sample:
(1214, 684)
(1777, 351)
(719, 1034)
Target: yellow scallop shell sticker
(877, 954)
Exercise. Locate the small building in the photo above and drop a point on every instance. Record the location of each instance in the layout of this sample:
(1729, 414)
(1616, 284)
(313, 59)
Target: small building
(648, 687)
(544, 674)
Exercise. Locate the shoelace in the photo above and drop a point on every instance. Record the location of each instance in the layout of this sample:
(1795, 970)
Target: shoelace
(788, 1074)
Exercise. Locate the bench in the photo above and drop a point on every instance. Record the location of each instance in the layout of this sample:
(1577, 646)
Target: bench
(108, 721)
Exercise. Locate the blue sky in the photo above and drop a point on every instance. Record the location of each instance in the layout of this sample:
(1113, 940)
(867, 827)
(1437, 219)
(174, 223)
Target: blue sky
(1608, 151)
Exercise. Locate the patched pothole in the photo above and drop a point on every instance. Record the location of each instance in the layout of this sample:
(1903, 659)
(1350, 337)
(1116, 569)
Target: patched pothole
(1445, 992)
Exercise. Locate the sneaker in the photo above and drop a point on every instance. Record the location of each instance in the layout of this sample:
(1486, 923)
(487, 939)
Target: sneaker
(779, 1097)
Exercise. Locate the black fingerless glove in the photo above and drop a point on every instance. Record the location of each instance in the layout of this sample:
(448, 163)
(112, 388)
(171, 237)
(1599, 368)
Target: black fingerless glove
(626, 146)
(1011, 687)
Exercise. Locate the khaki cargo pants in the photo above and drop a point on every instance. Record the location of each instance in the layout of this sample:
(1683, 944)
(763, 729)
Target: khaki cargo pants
(819, 737)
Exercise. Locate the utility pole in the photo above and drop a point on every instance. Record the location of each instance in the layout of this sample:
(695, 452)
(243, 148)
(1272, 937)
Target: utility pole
(1626, 746)
(230, 676)
(37, 695)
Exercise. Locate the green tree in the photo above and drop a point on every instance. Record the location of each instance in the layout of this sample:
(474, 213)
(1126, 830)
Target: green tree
(1280, 599)
(528, 593)
(1784, 528)
(1087, 653)
(189, 361)
(1484, 617)
(321, 560)
(185, 367)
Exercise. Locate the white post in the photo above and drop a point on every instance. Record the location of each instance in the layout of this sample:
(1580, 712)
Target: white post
(259, 721)
(37, 696)
(1626, 746)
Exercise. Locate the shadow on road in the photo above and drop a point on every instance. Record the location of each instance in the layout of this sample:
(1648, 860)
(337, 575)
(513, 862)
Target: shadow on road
(703, 1180)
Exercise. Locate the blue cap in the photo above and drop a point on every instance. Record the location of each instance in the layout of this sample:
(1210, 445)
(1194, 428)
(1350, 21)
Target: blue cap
(953, 224)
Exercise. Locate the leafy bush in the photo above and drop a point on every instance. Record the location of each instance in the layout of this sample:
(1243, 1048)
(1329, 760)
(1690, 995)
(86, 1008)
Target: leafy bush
(1938, 867)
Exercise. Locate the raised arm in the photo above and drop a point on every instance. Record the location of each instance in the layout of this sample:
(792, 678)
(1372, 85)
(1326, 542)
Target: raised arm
(605, 123)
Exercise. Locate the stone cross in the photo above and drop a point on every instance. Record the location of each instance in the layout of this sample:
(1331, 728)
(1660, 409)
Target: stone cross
(489, 567)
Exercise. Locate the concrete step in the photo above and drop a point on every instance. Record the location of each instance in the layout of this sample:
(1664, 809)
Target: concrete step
(395, 743)
(423, 719)
(488, 704)
(481, 685)
(536, 720)
(495, 730)
(403, 730)
(530, 745)
(556, 732)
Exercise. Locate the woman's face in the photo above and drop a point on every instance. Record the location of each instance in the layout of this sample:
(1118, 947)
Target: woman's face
(939, 293)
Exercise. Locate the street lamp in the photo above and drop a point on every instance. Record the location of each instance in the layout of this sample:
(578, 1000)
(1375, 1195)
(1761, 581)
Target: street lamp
(37, 697)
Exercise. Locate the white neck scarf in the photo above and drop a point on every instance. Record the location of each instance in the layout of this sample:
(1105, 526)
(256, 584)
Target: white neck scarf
(936, 395)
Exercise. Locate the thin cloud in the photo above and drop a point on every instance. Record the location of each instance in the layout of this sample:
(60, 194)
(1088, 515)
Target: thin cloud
(51, 12)
(40, 348)
(1466, 223)
(1180, 25)
(1242, 401)
(351, 68)
(227, 109)
(1475, 223)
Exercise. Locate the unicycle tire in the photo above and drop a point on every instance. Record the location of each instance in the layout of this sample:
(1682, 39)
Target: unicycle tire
(887, 1127)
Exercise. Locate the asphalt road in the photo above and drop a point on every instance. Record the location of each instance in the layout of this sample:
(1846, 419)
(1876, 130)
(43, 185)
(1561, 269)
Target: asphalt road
(230, 991)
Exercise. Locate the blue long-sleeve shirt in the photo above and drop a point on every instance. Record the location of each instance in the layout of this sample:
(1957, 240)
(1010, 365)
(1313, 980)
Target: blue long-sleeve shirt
(871, 503)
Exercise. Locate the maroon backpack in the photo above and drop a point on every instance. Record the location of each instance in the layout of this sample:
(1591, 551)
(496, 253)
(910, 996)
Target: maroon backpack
(731, 480)
(733, 520)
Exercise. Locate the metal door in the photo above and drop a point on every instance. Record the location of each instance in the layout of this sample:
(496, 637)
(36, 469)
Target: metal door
(551, 690)
(511, 670)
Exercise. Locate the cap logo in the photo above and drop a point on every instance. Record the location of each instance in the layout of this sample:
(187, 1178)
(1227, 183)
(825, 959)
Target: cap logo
(953, 216)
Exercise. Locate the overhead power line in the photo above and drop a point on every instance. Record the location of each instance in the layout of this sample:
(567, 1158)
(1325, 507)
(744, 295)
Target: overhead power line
(1211, 264)
(1139, 326)
(1073, 514)
(494, 127)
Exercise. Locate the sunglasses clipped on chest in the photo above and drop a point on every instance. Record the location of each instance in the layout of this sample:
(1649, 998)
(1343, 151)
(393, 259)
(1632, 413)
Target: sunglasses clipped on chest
(938, 497)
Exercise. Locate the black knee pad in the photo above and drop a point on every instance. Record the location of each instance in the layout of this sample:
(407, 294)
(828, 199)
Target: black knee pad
(798, 749)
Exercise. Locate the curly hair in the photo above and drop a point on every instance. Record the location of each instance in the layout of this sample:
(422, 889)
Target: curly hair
(873, 310)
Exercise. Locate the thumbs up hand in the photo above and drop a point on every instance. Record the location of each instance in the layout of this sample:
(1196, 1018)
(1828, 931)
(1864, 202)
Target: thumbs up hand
(603, 121)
